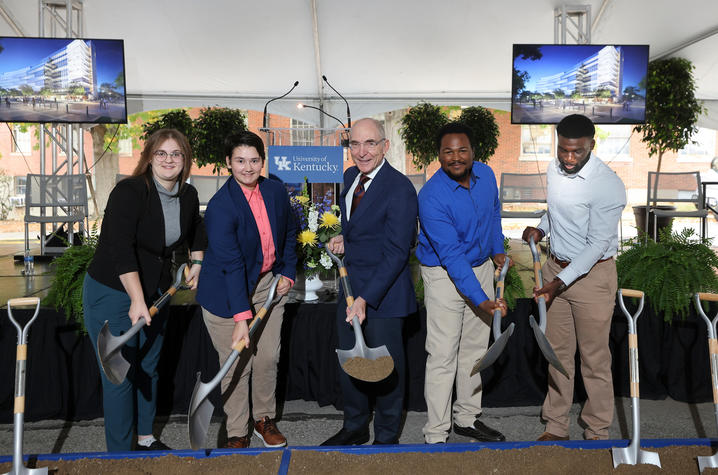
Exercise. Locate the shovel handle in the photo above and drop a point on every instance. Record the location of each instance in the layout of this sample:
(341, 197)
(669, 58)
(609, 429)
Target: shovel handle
(257, 318)
(537, 273)
(17, 302)
(708, 296)
(636, 293)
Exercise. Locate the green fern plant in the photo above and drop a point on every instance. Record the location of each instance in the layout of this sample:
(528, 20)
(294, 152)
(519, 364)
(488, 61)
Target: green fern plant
(65, 293)
(669, 271)
(513, 287)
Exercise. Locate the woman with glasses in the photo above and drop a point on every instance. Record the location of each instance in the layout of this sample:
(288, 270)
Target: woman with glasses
(149, 215)
(252, 235)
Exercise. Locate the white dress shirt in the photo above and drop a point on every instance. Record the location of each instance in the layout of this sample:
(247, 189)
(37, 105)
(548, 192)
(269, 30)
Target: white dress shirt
(350, 194)
(583, 213)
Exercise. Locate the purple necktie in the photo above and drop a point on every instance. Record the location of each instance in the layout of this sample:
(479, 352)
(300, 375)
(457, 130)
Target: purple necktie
(359, 192)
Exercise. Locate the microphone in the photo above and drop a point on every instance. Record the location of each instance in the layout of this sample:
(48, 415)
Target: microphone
(345, 139)
(349, 114)
(264, 115)
(302, 106)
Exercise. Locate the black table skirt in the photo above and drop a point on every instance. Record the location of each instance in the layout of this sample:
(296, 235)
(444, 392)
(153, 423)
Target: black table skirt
(63, 379)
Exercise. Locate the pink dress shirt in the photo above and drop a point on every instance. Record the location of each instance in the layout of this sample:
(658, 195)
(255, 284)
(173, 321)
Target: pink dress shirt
(259, 211)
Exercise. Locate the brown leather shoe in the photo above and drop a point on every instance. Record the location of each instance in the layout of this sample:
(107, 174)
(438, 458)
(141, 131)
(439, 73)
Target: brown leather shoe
(267, 430)
(549, 436)
(237, 442)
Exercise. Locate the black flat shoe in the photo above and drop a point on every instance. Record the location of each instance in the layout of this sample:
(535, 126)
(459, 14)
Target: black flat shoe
(156, 445)
(347, 437)
(480, 432)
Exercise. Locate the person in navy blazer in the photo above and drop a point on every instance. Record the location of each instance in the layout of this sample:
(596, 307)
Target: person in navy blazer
(376, 240)
(252, 237)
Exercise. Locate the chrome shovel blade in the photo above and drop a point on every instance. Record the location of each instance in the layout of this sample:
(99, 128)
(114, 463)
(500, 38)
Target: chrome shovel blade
(494, 351)
(112, 362)
(199, 414)
(545, 347)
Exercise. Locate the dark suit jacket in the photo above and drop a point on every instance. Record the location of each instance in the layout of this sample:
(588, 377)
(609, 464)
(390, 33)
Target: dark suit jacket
(377, 241)
(233, 260)
(132, 237)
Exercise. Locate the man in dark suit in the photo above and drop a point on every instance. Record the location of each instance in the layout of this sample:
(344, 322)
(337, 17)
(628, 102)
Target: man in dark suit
(379, 215)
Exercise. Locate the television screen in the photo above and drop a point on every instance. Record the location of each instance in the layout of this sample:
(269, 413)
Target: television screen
(62, 80)
(607, 83)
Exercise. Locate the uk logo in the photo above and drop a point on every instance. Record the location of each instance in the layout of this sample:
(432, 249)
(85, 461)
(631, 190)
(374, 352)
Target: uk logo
(283, 164)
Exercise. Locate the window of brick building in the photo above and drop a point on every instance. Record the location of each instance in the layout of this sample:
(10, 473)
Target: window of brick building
(613, 142)
(21, 141)
(124, 147)
(537, 142)
(302, 133)
(703, 150)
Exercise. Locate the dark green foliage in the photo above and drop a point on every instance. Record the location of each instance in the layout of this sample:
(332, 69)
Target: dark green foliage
(65, 293)
(423, 121)
(672, 109)
(418, 131)
(513, 287)
(211, 127)
(205, 134)
(174, 119)
(486, 131)
(670, 271)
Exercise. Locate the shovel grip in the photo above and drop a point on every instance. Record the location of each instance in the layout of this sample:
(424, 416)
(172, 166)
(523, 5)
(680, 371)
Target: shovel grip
(500, 290)
(257, 318)
(537, 273)
(23, 301)
(19, 405)
(633, 293)
(708, 296)
(713, 349)
(350, 300)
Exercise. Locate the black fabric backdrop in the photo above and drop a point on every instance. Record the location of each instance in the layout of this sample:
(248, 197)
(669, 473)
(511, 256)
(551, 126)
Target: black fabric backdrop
(63, 381)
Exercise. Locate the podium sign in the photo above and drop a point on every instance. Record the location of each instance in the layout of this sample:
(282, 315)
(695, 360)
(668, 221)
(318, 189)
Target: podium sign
(318, 164)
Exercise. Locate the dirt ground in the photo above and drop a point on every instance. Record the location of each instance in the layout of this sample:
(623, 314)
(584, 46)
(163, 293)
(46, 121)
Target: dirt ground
(542, 460)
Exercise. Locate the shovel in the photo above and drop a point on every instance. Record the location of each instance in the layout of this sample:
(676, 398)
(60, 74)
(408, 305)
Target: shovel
(361, 362)
(109, 346)
(201, 408)
(540, 328)
(20, 364)
(712, 461)
(500, 339)
(633, 454)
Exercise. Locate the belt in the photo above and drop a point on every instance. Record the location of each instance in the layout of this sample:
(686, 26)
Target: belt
(564, 264)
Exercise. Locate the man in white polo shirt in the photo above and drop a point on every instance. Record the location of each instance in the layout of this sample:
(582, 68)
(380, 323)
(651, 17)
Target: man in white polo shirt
(585, 201)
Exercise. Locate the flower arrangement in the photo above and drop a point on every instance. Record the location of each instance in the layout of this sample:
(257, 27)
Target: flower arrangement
(318, 223)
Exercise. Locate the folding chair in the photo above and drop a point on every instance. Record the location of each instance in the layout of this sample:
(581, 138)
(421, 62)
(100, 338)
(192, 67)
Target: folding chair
(523, 188)
(55, 199)
(675, 187)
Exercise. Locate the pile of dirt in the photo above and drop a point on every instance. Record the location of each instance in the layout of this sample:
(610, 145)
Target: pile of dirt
(369, 370)
(541, 460)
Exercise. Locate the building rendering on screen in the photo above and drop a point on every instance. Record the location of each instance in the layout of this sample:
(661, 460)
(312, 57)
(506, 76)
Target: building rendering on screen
(602, 70)
(73, 65)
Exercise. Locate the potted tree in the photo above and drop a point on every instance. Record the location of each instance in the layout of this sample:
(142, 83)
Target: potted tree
(672, 111)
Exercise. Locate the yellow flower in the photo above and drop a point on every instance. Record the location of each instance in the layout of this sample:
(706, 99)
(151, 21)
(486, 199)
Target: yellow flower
(307, 238)
(301, 199)
(329, 220)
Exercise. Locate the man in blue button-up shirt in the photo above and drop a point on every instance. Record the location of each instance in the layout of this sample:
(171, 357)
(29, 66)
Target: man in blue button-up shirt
(459, 210)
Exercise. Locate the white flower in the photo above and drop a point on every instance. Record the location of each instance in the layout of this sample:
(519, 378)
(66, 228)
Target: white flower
(325, 260)
(313, 220)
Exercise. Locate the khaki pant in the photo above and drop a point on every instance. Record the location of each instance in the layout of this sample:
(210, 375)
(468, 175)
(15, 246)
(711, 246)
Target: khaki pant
(261, 362)
(457, 335)
(581, 316)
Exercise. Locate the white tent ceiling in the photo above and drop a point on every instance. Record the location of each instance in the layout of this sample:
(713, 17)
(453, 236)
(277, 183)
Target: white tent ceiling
(380, 54)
